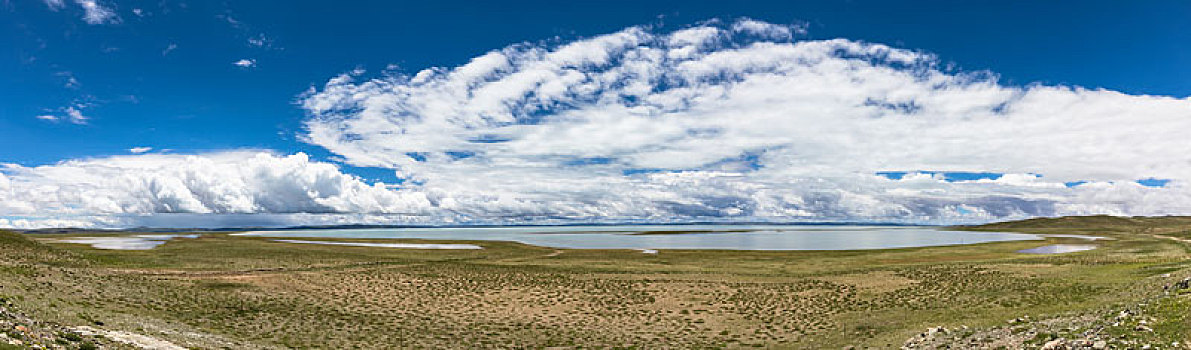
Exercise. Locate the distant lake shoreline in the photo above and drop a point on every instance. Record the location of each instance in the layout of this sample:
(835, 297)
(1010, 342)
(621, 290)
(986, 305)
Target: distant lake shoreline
(651, 237)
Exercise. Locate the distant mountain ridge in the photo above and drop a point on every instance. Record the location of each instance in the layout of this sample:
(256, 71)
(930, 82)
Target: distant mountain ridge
(1092, 221)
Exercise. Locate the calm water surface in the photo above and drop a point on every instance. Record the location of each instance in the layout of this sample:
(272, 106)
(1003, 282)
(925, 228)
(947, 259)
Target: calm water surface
(385, 245)
(134, 242)
(733, 237)
(1058, 249)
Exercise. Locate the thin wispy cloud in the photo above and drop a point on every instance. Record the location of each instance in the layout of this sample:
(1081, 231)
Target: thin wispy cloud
(139, 150)
(261, 41)
(71, 114)
(230, 20)
(245, 63)
(252, 37)
(54, 5)
(96, 13)
(75, 115)
(70, 81)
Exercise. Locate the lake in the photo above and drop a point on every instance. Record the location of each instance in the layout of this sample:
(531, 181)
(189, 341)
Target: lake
(650, 237)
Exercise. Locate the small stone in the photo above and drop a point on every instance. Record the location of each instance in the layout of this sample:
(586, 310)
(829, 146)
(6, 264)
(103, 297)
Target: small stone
(1053, 344)
(1143, 328)
(1100, 344)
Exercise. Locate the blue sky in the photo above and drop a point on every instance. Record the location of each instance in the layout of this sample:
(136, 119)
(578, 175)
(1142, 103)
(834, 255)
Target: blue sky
(193, 99)
(163, 75)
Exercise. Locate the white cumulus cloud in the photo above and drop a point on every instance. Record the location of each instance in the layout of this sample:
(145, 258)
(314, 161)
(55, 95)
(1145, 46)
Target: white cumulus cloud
(233, 182)
(736, 120)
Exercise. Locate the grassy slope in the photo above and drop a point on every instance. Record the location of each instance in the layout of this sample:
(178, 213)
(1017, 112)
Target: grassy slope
(1168, 226)
(227, 291)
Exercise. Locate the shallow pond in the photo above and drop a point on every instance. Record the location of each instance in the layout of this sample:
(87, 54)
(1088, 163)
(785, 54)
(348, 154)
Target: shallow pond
(1058, 249)
(651, 237)
(134, 242)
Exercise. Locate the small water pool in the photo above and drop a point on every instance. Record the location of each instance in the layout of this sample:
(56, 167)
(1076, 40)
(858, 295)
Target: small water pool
(1058, 249)
(134, 242)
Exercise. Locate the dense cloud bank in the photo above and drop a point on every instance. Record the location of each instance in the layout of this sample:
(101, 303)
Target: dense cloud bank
(722, 121)
(114, 191)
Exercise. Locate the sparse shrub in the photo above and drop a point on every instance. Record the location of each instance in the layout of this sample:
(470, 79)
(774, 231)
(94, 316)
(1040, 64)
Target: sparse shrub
(70, 336)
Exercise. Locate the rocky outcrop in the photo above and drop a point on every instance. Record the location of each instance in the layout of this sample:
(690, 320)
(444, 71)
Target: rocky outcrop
(1127, 328)
(20, 330)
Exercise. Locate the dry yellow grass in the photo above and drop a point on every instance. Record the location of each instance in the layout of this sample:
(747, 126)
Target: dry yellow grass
(250, 292)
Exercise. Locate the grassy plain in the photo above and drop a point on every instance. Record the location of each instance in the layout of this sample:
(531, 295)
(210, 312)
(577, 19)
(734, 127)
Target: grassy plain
(221, 291)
